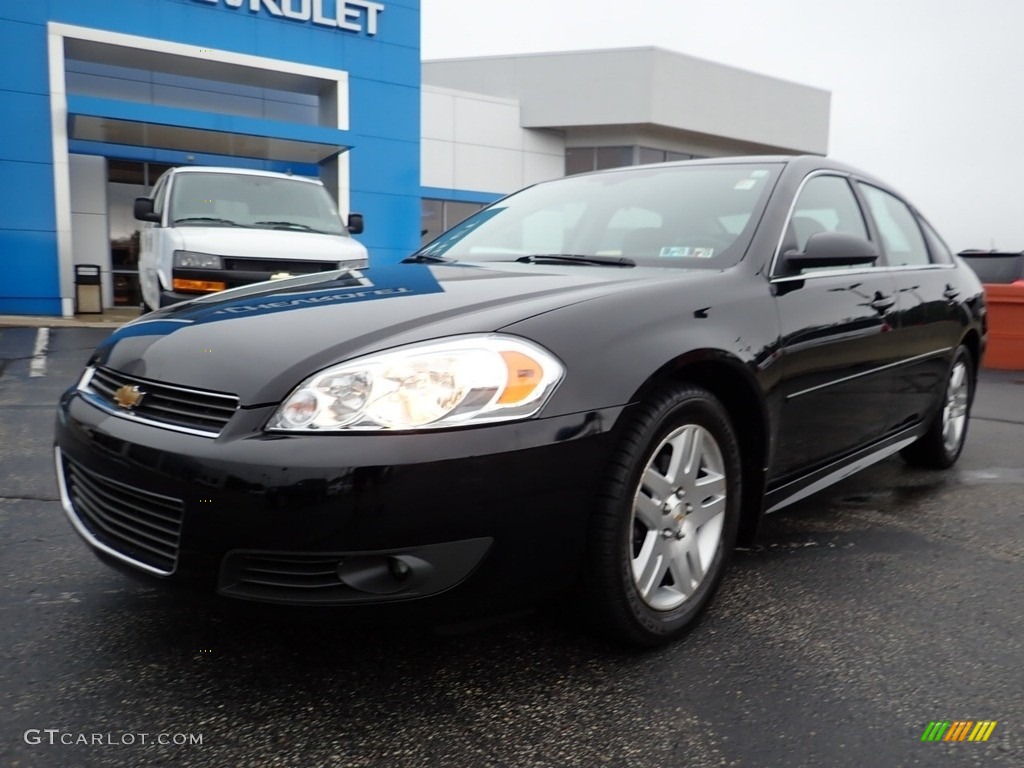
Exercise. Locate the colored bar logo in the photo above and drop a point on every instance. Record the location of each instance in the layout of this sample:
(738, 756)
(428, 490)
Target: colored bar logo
(958, 730)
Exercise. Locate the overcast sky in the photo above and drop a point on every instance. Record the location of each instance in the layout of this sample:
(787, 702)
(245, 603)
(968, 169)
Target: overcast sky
(926, 94)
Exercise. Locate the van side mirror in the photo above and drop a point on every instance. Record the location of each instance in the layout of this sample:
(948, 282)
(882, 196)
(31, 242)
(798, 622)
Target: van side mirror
(143, 210)
(832, 249)
(355, 223)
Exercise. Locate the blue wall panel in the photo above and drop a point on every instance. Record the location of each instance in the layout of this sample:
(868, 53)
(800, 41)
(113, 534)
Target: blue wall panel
(19, 110)
(388, 213)
(34, 12)
(23, 64)
(393, 177)
(28, 273)
(384, 125)
(26, 196)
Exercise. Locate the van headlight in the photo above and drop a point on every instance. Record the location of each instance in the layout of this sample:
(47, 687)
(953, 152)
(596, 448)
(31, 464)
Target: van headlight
(451, 382)
(193, 260)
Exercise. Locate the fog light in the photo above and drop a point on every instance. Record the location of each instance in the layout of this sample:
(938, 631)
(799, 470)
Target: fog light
(399, 568)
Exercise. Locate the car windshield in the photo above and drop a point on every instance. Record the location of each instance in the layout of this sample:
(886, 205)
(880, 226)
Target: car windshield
(686, 216)
(244, 200)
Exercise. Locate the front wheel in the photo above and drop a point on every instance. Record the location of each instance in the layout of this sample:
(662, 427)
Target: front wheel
(668, 518)
(941, 445)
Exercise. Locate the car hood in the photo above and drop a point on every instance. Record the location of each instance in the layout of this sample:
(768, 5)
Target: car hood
(274, 244)
(258, 342)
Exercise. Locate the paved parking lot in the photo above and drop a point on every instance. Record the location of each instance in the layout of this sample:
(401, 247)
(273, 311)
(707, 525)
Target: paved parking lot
(864, 613)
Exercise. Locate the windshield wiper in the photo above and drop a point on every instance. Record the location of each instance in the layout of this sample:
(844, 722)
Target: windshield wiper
(292, 225)
(424, 258)
(573, 258)
(295, 224)
(211, 219)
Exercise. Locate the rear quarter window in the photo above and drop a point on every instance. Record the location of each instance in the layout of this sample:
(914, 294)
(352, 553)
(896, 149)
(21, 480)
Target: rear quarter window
(901, 234)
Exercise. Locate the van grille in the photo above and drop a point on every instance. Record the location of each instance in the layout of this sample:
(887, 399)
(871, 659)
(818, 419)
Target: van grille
(270, 266)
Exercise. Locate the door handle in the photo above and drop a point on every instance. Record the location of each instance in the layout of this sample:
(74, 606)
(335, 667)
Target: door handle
(881, 302)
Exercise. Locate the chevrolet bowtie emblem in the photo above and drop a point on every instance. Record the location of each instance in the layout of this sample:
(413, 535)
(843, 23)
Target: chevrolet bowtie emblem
(128, 396)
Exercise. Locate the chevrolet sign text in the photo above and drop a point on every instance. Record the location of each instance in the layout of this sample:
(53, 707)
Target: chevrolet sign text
(351, 15)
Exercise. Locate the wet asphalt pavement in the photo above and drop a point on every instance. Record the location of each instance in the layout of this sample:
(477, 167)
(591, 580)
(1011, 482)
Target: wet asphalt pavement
(891, 600)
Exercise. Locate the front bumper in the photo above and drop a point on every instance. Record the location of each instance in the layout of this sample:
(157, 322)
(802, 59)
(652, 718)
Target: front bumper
(492, 515)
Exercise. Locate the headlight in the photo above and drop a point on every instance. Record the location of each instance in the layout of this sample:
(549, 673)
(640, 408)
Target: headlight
(458, 381)
(193, 260)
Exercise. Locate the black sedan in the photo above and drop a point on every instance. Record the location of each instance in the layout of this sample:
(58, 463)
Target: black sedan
(591, 390)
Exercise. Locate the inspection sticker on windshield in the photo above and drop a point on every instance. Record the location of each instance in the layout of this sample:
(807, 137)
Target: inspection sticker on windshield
(685, 252)
(745, 184)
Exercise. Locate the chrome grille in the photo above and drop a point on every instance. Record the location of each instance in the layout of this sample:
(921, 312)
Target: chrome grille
(166, 404)
(143, 526)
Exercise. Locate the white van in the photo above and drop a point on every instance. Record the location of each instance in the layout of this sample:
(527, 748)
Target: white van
(207, 229)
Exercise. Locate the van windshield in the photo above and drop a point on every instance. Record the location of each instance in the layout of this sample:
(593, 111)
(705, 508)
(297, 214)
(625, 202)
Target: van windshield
(262, 202)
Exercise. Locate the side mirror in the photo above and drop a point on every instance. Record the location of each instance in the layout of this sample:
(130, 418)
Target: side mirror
(355, 223)
(832, 249)
(143, 210)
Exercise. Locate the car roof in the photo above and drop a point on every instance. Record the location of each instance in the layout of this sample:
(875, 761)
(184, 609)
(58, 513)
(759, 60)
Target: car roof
(797, 164)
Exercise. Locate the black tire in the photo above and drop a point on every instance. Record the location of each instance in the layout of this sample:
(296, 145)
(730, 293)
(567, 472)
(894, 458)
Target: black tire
(640, 516)
(941, 445)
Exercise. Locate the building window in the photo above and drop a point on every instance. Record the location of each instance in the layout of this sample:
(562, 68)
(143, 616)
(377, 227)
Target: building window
(648, 155)
(585, 159)
(579, 160)
(614, 157)
(440, 215)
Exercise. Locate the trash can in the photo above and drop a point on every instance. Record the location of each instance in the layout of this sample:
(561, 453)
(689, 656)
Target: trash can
(1005, 326)
(88, 290)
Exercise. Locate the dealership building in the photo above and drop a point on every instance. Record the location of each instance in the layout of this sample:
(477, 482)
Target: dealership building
(99, 97)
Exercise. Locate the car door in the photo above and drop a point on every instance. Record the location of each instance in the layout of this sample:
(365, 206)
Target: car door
(930, 321)
(837, 343)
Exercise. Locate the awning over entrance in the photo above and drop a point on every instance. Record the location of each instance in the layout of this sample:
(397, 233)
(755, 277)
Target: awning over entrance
(149, 125)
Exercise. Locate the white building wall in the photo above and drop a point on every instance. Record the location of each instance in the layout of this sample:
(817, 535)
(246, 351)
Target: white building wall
(742, 112)
(475, 143)
(90, 236)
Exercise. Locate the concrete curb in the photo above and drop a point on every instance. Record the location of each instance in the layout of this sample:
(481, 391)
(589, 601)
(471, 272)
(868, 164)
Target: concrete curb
(46, 321)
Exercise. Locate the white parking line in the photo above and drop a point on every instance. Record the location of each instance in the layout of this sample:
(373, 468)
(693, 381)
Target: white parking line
(37, 367)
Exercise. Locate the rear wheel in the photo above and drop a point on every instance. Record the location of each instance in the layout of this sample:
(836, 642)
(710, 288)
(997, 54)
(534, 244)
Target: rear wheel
(941, 445)
(668, 518)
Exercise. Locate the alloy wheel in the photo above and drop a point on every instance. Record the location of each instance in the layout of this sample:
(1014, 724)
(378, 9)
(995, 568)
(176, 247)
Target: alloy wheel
(678, 514)
(954, 412)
